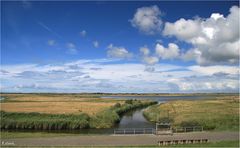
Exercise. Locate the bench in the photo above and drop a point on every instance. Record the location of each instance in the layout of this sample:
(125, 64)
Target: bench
(182, 141)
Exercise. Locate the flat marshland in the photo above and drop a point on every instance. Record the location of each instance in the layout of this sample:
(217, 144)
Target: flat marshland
(90, 108)
(221, 113)
(55, 104)
(62, 111)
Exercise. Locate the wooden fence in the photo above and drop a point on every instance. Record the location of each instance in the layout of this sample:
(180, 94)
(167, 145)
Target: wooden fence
(135, 131)
(158, 132)
(188, 129)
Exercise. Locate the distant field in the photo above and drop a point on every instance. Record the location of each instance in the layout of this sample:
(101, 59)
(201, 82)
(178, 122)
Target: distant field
(53, 98)
(56, 107)
(219, 114)
(55, 104)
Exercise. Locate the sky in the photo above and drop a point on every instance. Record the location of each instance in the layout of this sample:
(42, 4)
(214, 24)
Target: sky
(120, 47)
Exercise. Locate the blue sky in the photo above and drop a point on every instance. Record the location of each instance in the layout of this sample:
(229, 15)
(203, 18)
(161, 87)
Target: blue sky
(119, 46)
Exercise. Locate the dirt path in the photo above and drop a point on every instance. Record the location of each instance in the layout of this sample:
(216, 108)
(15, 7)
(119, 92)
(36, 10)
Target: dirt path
(116, 140)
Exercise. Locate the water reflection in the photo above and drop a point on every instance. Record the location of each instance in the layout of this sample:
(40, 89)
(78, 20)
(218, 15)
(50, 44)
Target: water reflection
(134, 119)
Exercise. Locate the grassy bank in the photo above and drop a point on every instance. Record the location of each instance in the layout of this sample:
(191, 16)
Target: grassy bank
(40, 121)
(9, 135)
(43, 121)
(217, 114)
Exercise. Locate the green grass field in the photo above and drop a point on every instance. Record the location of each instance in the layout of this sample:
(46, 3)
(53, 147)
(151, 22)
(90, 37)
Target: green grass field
(216, 114)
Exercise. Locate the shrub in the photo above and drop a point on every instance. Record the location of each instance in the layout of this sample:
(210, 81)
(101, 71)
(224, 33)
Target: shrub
(189, 123)
(117, 105)
(165, 120)
(104, 119)
(129, 101)
(43, 121)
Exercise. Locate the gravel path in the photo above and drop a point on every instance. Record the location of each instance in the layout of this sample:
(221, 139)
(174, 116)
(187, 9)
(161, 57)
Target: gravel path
(116, 140)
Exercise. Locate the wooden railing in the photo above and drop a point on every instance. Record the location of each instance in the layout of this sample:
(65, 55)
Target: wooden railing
(159, 132)
(188, 129)
(135, 131)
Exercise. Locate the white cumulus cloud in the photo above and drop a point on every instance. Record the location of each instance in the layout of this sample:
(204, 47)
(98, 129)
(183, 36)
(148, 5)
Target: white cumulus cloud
(215, 39)
(145, 51)
(167, 53)
(147, 19)
(151, 60)
(118, 52)
(146, 57)
(182, 29)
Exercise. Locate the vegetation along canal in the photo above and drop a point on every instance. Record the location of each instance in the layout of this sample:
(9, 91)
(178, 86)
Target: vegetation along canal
(130, 119)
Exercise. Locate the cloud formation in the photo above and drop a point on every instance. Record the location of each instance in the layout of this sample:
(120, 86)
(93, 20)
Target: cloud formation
(161, 52)
(150, 60)
(144, 51)
(71, 48)
(147, 19)
(171, 52)
(96, 44)
(83, 33)
(215, 39)
(102, 75)
(146, 57)
(118, 52)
